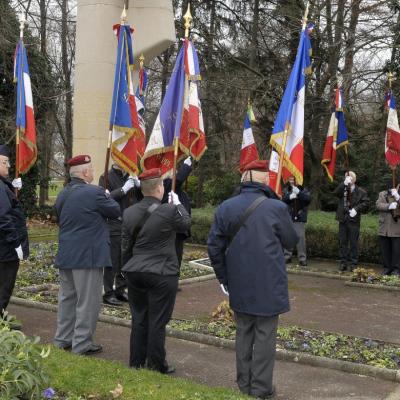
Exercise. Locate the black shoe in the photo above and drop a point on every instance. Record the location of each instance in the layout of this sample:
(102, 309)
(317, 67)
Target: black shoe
(179, 289)
(65, 347)
(343, 267)
(387, 271)
(352, 267)
(122, 297)
(303, 264)
(92, 349)
(170, 370)
(270, 395)
(112, 301)
(288, 260)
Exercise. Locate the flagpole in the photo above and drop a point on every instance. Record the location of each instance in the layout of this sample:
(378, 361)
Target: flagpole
(110, 130)
(22, 22)
(390, 80)
(286, 131)
(188, 19)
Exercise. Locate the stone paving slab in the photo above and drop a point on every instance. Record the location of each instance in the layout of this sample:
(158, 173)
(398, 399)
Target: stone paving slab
(216, 367)
(316, 303)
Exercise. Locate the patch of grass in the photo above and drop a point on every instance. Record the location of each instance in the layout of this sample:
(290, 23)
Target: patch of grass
(95, 378)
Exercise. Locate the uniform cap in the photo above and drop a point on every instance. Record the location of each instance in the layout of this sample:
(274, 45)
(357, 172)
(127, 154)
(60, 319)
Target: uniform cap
(79, 160)
(257, 165)
(152, 173)
(4, 150)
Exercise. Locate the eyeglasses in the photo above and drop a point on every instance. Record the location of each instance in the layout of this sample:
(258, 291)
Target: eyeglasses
(6, 163)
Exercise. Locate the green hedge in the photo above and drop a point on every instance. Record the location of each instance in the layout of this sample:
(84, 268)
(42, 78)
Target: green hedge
(321, 234)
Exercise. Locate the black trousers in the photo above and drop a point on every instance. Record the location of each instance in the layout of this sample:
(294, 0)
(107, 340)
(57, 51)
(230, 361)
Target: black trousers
(179, 249)
(152, 300)
(390, 248)
(8, 276)
(349, 233)
(114, 274)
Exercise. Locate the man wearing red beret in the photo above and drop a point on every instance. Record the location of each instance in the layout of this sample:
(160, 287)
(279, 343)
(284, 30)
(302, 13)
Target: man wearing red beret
(245, 246)
(151, 269)
(83, 252)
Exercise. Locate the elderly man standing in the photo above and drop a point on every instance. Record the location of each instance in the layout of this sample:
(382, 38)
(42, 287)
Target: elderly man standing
(353, 201)
(245, 246)
(388, 205)
(13, 234)
(83, 252)
(151, 269)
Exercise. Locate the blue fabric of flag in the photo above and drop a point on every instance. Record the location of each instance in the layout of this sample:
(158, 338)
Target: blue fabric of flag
(247, 124)
(342, 136)
(120, 111)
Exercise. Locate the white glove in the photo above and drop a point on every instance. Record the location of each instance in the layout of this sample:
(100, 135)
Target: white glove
(352, 213)
(17, 183)
(394, 193)
(20, 254)
(295, 190)
(173, 198)
(188, 161)
(292, 196)
(393, 206)
(129, 184)
(348, 180)
(136, 180)
(224, 289)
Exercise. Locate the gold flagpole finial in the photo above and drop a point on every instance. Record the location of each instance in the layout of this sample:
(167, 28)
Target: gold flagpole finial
(123, 16)
(22, 22)
(390, 78)
(305, 17)
(141, 61)
(188, 20)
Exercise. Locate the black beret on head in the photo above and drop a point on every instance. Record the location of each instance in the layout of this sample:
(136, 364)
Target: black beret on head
(4, 150)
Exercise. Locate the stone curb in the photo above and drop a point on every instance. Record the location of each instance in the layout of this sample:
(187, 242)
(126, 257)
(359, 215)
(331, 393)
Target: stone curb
(372, 286)
(196, 279)
(281, 354)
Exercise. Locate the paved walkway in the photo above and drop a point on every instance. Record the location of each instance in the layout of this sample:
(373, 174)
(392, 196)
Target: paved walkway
(216, 367)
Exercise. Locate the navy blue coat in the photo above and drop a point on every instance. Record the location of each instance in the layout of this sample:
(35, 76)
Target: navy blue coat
(84, 239)
(13, 232)
(253, 267)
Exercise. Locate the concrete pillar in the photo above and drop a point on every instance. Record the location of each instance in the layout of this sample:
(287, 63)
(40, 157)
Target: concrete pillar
(96, 49)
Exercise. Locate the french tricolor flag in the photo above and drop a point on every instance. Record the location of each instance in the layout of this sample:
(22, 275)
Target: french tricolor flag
(25, 120)
(249, 151)
(392, 139)
(337, 136)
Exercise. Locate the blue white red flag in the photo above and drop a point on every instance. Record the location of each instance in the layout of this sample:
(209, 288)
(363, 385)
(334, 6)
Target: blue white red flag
(140, 98)
(25, 120)
(337, 136)
(127, 137)
(392, 139)
(249, 152)
(180, 116)
(290, 117)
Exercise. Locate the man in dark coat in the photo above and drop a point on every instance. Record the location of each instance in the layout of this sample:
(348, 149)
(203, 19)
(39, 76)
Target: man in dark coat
(297, 198)
(182, 174)
(353, 201)
(83, 252)
(151, 269)
(13, 233)
(124, 189)
(248, 260)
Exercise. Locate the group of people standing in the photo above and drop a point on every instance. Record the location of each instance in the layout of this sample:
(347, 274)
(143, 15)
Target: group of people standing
(123, 241)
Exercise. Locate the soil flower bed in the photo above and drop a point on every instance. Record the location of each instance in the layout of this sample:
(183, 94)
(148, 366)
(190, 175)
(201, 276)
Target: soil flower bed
(318, 343)
(366, 275)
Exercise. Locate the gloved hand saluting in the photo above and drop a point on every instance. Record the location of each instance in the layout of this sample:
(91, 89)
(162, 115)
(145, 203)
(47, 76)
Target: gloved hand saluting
(17, 183)
(393, 206)
(188, 161)
(292, 196)
(295, 190)
(348, 180)
(128, 185)
(173, 198)
(395, 194)
(136, 180)
(352, 213)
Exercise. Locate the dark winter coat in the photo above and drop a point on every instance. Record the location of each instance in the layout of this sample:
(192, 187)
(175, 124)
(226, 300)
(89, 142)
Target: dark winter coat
(13, 232)
(358, 200)
(84, 239)
(116, 179)
(298, 207)
(148, 239)
(252, 265)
